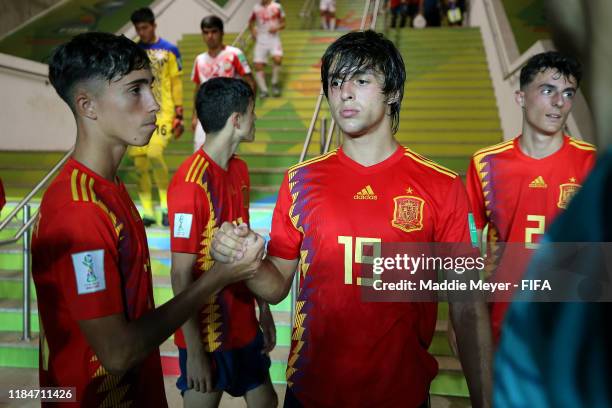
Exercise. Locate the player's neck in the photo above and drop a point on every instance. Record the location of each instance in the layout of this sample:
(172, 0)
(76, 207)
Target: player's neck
(369, 149)
(153, 41)
(537, 145)
(99, 156)
(220, 148)
(213, 52)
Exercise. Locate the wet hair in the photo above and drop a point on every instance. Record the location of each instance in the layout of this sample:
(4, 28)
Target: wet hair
(211, 22)
(566, 65)
(218, 98)
(143, 15)
(366, 50)
(87, 56)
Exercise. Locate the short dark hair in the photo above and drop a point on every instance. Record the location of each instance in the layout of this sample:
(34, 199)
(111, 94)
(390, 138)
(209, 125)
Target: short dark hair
(218, 98)
(211, 21)
(565, 64)
(93, 56)
(363, 50)
(143, 15)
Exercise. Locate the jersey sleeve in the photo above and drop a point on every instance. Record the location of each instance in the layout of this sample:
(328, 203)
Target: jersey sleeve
(174, 72)
(188, 213)
(195, 76)
(285, 239)
(452, 221)
(281, 11)
(83, 244)
(241, 64)
(475, 196)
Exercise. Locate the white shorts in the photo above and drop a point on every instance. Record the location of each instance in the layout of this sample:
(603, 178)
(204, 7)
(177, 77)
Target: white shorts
(327, 5)
(263, 49)
(199, 137)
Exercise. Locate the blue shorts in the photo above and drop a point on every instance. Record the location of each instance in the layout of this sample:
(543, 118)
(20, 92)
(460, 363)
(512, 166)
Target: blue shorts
(234, 371)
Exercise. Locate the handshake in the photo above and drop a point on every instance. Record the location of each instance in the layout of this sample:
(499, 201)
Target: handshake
(240, 250)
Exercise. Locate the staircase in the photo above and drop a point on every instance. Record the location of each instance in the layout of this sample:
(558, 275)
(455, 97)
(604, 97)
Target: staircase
(448, 112)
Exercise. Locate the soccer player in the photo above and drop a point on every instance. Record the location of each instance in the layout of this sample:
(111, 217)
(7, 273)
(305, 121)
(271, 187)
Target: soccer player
(518, 187)
(99, 331)
(222, 341)
(327, 8)
(219, 61)
(336, 207)
(267, 20)
(168, 90)
(558, 354)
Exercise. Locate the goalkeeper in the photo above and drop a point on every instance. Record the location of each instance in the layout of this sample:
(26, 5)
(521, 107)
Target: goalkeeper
(168, 90)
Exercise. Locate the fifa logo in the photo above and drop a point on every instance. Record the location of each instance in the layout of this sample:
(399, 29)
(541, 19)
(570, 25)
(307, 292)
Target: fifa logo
(89, 264)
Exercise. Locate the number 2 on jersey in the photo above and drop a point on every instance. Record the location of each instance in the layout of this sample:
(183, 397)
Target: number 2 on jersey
(531, 231)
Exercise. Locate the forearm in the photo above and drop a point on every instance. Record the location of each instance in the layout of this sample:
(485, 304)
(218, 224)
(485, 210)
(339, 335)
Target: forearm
(181, 281)
(268, 284)
(142, 336)
(473, 332)
(177, 90)
(194, 113)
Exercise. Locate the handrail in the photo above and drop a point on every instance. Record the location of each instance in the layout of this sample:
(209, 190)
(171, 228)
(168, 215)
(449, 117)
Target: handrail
(306, 8)
(27, 199)
(26, 71)
(239, 42)
(24, 232)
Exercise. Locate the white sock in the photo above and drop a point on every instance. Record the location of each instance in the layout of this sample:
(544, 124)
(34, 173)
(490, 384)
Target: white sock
(260, 78)
(275, 73)
(332, 23)
(324, 22)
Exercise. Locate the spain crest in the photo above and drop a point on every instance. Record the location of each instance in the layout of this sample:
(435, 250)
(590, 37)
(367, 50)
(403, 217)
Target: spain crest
(566, 192)
(408, 213)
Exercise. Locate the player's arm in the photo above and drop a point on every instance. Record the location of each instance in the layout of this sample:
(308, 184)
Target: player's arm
(121, 344)
(266, 322)
(474, 343)
(470, 317)
(235, 245)
(248, 78)
(194, 113)
(252, 26)
(199, 375)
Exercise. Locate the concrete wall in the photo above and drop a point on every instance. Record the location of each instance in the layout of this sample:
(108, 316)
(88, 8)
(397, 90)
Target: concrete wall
(14, 13)
(34, 117)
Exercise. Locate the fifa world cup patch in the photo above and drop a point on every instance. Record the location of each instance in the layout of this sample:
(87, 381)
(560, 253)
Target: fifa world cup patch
(566, 192)
(89, 271)
(408, 213)
(182, 225)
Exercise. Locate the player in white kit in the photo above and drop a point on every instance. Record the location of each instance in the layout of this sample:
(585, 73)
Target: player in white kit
(267, 20)
(327, 8)
(219, 61)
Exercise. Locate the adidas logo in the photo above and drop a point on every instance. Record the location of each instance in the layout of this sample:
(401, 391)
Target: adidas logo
(538, 182)
(366, 194)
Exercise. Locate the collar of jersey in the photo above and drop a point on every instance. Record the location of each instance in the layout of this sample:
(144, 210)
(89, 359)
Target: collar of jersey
(98, 178)
(383, 165)
(532, 160)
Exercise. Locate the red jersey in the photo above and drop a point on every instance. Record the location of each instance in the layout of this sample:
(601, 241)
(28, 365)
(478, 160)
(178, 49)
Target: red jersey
(346, 352)
(229, 63)
(89, 260)
(202, 196)
(519, 196)
(2, 196)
